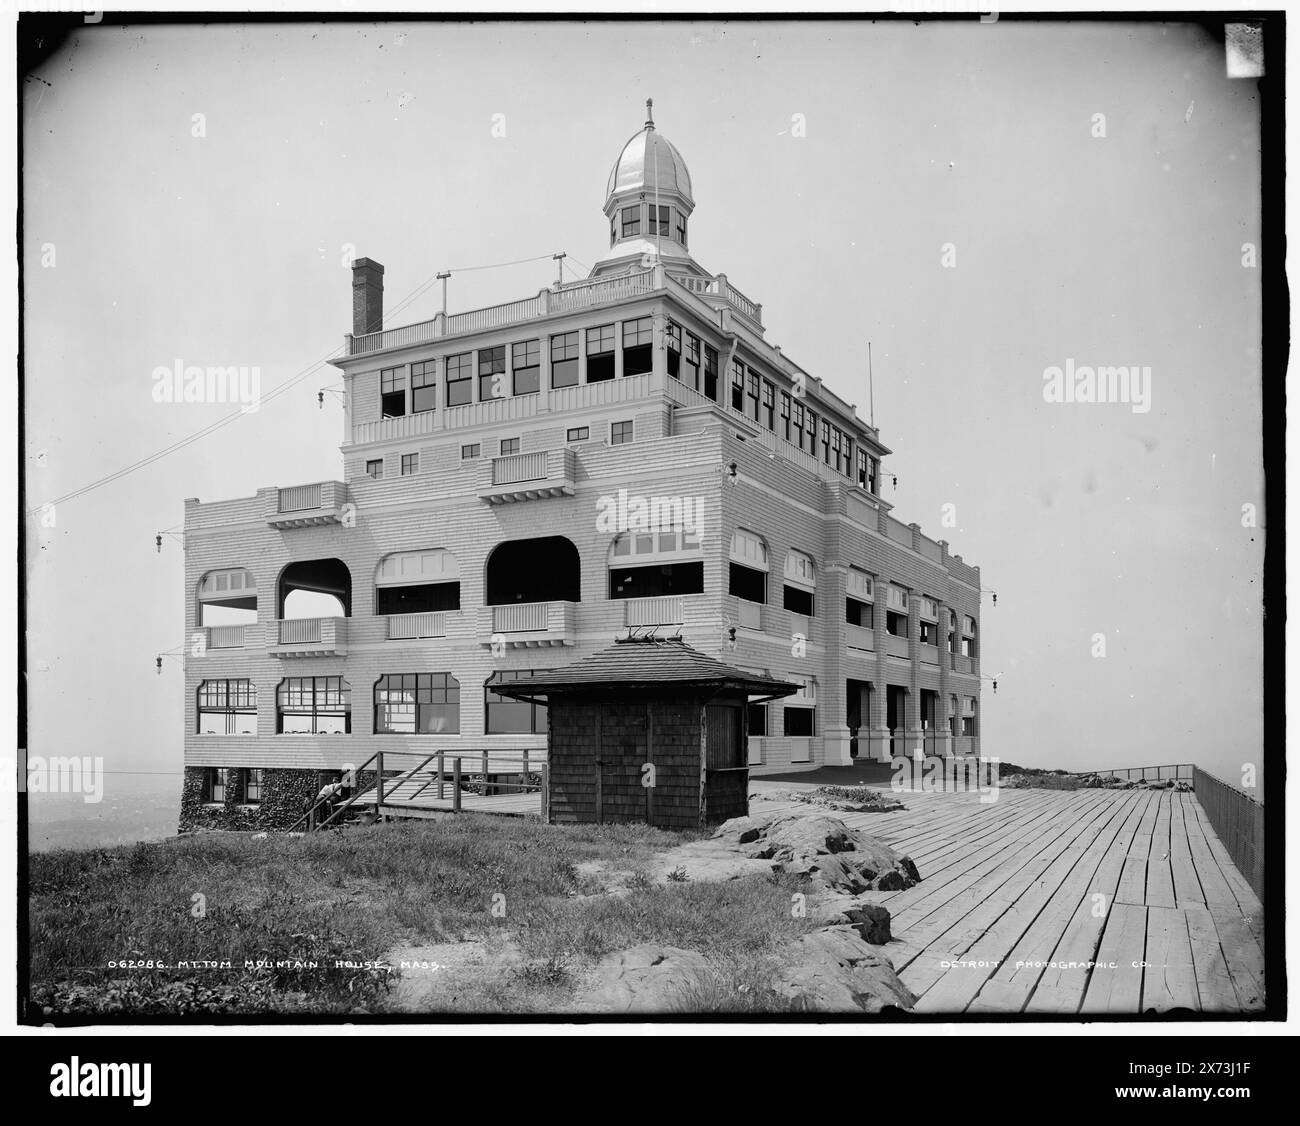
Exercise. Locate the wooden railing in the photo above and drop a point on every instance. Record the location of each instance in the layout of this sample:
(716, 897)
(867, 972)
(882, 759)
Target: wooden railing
(522, 617)
(225, 637)
(300, 498)
(406, 627)
(599, 290)
(896, 646)
(452, 774)
(1238, 819)
(514, 468)
(664, 611)
(494, 316)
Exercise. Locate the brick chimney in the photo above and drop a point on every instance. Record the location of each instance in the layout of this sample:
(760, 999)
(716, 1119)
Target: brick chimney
(367, 297)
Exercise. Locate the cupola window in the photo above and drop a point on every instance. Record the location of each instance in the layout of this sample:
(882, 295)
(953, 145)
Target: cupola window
(631, 221)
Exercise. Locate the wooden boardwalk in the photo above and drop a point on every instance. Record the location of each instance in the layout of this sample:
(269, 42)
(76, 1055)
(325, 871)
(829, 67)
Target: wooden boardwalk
(1065, 901)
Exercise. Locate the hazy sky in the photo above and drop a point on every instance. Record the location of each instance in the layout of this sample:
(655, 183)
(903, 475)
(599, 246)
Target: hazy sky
(1122, 249)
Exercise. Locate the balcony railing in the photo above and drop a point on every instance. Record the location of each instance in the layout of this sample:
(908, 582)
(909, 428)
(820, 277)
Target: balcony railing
(665, 611)
(225, 637)
(310, 637)
(860, 637)
(303, 506)
(896, 646)
(580, 295)
(962, 664)
(528, 476)
(929, 654)
(529, 624)
(411, 627)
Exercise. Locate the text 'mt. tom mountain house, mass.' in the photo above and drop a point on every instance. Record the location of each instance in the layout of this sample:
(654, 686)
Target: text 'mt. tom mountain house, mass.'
(499, 466)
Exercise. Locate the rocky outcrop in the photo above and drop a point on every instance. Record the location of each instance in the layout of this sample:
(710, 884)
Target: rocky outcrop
(824, 849)
(644, 979)
(835, 971)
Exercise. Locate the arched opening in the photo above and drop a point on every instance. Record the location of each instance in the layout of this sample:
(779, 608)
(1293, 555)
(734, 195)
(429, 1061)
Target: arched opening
(315, 588)
(800, 583)
(748, 574)
(542, 570)
(656, 564)
(417, 582)
(227, 598)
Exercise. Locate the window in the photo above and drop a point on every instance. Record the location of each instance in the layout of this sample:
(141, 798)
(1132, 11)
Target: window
(655, 564)
(753, 394)
(416, 582)
(526, 366)
(314, 705)
(738, 386)
(505, 716)
(600, 353)
(810, 431)
(837, 448)
(848, 457)
(800, 721)
(864, 473)
(410, 464)
(613, 230)
(969, 647)
(631, 221)
(491, 373)
(757, 720)
(620, 433)
(798, 420)
(747, 577)
(215, 783)
(858, 613)
(578, 434)
(375, 469)
(826, 441)
(426, 703)
(424, 387)
(800, 583)
(968, 726)
(637, 337)
(681, 228)
(509, 446)
(227, 707)
(253, 786)
(673, 341)
(392, 393)
(929, 633)
(954, 720)
(468, 453)
(785, 415)
(769, 405)
(895, 623)
(859, 588)
(659, 227)
(460, 385)
(711, 372)
(564, 360)
(691, 375)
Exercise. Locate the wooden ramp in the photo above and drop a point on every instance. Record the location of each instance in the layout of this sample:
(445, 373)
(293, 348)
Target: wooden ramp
(420, 795)
(1065, 901)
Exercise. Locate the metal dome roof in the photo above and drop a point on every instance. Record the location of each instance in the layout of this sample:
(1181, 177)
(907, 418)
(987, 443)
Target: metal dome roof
(649, 160)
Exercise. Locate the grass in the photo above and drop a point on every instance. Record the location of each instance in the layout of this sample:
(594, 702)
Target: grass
(352, 896)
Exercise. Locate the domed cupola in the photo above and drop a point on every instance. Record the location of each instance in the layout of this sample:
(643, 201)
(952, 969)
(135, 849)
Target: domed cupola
(648, 202)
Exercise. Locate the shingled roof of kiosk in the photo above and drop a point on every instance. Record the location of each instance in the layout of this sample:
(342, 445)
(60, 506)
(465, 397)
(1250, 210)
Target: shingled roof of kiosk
(643, 662)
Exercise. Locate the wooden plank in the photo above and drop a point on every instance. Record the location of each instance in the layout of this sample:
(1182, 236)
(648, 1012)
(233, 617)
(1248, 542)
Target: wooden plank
(1213, 982)
(1243, 956)
(1160, 872)
(1116, 984)
(1037, 951)
(1169, 976)
(1187, 885)
(1061, 988)
(986, 935)
(1133, 879)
